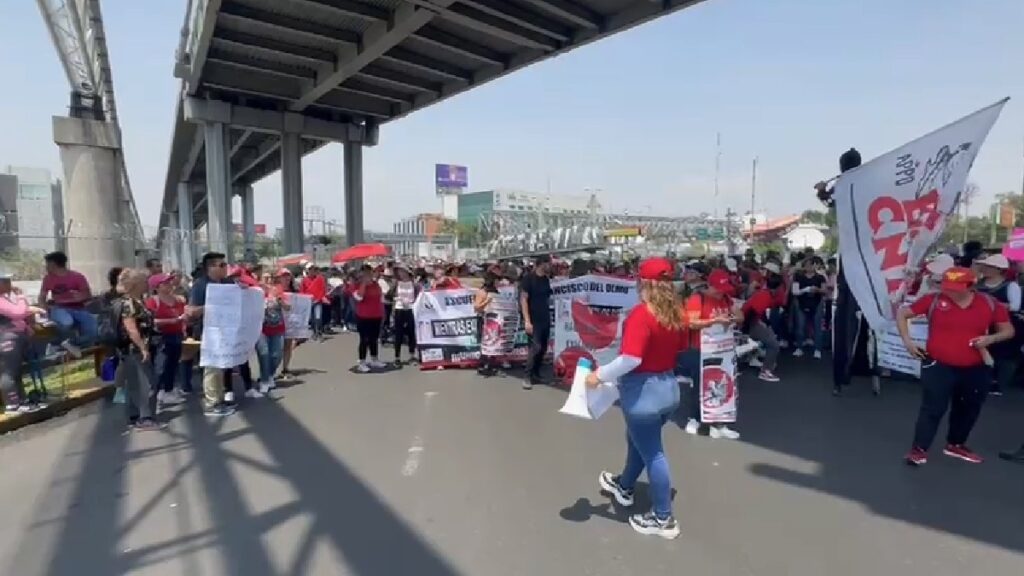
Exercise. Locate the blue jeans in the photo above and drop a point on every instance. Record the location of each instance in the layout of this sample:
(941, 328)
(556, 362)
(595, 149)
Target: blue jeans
(815, 317)
(777, 321)
(166, 352)
(688, 365)
(317, 318)
(269, 350)
(67, 319)
(647, 400)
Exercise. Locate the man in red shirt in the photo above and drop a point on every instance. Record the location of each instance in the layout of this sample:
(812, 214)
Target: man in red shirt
(956, 366)
(67, 292)
(315, 285)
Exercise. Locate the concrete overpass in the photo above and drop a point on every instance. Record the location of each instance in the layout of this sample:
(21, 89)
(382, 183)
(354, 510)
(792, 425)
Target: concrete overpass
(265, 82)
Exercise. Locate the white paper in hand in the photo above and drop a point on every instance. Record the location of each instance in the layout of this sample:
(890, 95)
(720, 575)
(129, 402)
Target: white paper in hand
(587, 403)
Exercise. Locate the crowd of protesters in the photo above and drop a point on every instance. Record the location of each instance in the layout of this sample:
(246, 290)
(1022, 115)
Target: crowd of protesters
(153, 323)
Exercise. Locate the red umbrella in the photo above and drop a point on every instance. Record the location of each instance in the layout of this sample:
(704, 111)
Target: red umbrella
(359, 252)
(292, 259)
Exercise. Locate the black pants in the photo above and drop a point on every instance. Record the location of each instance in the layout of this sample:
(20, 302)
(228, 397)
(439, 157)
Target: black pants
(538, 349)
(243, 371)
(165, 349)
(405, 332)
(12, 351)
(337, 311)
(369, 336)
(385, 325)
(961, 390)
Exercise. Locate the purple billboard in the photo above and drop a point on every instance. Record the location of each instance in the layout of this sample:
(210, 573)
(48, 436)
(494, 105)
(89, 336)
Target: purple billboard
(450, 179)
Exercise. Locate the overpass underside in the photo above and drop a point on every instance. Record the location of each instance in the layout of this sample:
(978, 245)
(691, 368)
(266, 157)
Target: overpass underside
(265, 82)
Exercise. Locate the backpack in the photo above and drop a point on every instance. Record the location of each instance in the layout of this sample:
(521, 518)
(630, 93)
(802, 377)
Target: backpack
(935, 302)
(110, 329)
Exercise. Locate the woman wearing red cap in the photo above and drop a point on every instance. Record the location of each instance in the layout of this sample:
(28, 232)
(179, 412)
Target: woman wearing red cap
(955, 368)
(708, 307)
(168, 310)
(651, 337)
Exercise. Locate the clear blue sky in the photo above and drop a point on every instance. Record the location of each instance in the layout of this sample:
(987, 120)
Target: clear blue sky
(794, 82)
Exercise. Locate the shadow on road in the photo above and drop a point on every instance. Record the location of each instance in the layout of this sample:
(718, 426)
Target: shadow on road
(88, 535)
(858, 442)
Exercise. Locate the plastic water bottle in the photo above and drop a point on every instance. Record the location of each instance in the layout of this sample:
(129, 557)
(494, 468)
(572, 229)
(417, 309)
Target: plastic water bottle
(583, 368)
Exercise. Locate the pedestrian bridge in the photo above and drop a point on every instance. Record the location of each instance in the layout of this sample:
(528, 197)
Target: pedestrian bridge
(264, 82)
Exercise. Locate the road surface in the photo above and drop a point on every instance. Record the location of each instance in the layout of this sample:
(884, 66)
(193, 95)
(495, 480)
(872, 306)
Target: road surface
(444, 474)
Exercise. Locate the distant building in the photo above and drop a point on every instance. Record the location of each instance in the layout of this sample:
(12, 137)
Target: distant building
(475, 204)
(39, 210)
(421, 235)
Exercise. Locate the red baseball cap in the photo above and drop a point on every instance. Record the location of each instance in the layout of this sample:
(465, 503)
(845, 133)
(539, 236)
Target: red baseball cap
(158, 279)
(958, 279)
(656, 269)
(720, 280)
(284, 272)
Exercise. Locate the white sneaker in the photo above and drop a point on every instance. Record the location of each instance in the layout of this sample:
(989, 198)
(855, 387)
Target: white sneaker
(808, 342)
(362, 368)
(692, 426)
(783, 344)
(377, 364)
(724, 432)
(71, 348)
(754, 362)
(817, 354)
(271, 384)
(264, 388)
(253, 393)
(798, 353)
(229, 397)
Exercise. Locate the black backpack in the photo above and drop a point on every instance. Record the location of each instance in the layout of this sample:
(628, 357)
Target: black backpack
(110, 329)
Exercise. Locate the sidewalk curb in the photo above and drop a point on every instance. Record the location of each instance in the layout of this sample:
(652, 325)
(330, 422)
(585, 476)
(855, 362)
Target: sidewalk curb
(58, 408)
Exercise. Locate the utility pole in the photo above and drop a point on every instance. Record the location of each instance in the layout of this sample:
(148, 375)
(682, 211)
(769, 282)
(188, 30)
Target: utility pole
(729, 243)
(753, 193)
(718, 167)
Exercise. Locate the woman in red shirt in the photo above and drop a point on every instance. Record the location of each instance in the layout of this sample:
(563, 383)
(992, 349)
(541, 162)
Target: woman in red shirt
(270, 346)
(369, 308)
(315, 285)
(755, 324)
(169, 319)
(652, 335)
(712, 306)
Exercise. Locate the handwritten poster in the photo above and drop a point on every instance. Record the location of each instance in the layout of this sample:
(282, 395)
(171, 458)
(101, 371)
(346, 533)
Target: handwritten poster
(232, 323)
(892, 354)
(296, 320)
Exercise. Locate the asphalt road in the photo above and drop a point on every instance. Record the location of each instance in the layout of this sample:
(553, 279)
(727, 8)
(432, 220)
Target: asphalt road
(444, 474)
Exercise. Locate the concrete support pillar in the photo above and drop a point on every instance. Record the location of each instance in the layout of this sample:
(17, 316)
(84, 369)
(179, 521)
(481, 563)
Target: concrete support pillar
(291, 191)
(218, 187)
(170, 244)
(186, 230)
(353, 193)
(248, 221)
(92, 176)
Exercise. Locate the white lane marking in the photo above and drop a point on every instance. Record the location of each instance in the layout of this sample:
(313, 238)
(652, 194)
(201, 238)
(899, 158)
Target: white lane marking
(414, 455)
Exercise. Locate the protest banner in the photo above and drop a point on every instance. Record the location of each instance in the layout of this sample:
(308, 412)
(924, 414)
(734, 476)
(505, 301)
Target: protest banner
(589, 311)
(296, 319)
(893, 355)
(232, 323)
(1014, 247)
(718, 391)
(446, 329)
(891, 210)
(502, 333)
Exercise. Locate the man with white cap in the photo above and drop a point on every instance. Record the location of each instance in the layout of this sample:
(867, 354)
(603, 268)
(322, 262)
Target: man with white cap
(935, 269)
(992, 281)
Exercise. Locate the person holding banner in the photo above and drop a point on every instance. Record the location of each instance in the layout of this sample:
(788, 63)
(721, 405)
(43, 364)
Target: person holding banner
(956, 371)
(490, 325)
(286, 285)
(369, 313)
(707, 308)
(214, 271)
(652, 335)
(405, 293)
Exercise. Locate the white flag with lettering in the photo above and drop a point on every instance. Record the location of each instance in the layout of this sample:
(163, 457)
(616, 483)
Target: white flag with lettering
(891, 210)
